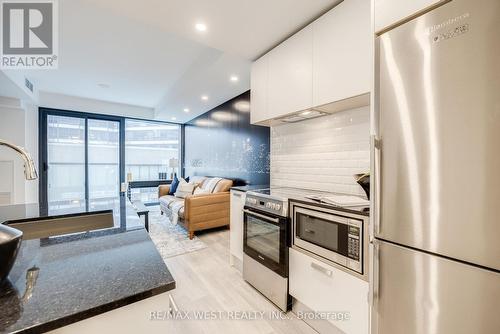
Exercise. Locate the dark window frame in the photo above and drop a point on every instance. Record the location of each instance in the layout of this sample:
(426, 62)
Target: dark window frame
(44, 112)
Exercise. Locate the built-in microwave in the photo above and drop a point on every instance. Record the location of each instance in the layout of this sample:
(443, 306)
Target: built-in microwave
(332, 235)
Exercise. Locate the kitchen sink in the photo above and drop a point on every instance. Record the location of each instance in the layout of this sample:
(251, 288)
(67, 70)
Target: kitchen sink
(44, 227)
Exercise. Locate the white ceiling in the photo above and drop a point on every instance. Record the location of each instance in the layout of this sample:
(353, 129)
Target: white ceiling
(150, 55)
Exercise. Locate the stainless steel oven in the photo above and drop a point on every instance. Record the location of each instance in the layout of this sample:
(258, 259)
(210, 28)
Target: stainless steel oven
(265, 240)
(333, 235)
(265, 260)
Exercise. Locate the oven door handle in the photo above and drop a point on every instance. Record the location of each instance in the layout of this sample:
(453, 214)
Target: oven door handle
(274, 220)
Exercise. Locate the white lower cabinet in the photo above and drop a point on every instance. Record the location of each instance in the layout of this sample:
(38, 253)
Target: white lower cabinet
(236, 228)
(323, 288)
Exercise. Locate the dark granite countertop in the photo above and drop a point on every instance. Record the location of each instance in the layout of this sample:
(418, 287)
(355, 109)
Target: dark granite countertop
(250, 187)
(80, 275)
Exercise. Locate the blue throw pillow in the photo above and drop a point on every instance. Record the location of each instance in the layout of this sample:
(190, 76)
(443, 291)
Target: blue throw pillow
(174, 185)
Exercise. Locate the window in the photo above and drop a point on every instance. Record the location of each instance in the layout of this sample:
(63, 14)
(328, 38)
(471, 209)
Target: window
(66, 160)
(87, 156)
(152, 152)
(83, 162)
(150, 148)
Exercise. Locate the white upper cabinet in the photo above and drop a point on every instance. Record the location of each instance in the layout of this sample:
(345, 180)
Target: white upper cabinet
(290, 75)
(342, 52)
(327, 61)
(389, 12)
(258, 90)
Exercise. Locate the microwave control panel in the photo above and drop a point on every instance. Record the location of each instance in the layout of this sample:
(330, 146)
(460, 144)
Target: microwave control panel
(353, 246)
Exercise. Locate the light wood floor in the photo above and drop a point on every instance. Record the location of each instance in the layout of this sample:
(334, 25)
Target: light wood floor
(206, 282)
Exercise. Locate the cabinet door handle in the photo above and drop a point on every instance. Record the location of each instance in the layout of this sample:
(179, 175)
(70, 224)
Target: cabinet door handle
(325, 271)
(251, 213)
(236, 194)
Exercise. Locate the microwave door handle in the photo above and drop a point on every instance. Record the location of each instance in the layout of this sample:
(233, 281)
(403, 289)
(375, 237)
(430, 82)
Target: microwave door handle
(274, 220)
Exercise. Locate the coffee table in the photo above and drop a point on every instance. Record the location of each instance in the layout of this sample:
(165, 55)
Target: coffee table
(142, 210)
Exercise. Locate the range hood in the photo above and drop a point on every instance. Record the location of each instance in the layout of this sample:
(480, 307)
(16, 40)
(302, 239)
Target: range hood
(323, 110)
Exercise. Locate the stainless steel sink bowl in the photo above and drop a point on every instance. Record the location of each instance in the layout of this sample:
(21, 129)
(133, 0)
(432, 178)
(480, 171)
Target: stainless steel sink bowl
(44, 227)
(10, 240)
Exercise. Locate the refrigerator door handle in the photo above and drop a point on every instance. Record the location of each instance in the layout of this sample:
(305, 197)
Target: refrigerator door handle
(376, 152)
(375, 286)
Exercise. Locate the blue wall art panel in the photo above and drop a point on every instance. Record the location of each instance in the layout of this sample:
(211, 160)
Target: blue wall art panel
(222, 142)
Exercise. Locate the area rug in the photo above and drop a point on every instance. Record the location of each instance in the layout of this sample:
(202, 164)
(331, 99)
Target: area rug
(170, 240)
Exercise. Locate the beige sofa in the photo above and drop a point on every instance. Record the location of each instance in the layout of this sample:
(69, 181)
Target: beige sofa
(201, 211)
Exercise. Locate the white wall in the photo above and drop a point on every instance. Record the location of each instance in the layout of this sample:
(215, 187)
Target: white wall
(322, 153)
(12, 84)
(66, 102)
(18, 125)
(31, 144)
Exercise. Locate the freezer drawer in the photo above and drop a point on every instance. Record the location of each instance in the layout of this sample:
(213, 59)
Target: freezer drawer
(439, 131)
(418, 293)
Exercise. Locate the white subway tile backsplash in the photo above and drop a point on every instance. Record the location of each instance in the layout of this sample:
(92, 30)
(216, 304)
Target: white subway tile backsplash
(322, 153)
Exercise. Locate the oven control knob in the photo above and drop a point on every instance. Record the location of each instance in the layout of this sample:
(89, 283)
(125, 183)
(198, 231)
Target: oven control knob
(268, 205)
(278, 207)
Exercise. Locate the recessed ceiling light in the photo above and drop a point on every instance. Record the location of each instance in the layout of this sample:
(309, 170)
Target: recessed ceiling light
(305, 113)
(233, 78)
(186, 109)
(173, 118)
(200, 27)
(204, 97)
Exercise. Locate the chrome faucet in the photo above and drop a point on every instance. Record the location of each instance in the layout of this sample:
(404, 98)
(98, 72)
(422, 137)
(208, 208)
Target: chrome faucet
(29, 166)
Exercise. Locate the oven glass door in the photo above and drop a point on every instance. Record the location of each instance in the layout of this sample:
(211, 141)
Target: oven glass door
(264, 239)
(323, 231)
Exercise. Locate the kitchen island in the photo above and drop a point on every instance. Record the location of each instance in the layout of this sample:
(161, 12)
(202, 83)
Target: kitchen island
(57, 281)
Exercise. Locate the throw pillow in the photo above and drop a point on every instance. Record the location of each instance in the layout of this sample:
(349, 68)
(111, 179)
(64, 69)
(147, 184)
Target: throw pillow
(174, 185)
(198, 180)
(184, 189)
(210, 184)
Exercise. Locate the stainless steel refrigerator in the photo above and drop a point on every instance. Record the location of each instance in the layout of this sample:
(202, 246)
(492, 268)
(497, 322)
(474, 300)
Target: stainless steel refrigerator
(437, 173)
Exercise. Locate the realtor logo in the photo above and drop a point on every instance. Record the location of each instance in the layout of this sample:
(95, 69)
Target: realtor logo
(29, 34)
